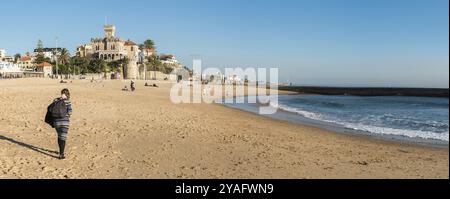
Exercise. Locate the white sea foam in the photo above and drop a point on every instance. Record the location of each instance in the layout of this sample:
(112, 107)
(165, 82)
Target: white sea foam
(399, 132)
(303, 113)
(367, 128)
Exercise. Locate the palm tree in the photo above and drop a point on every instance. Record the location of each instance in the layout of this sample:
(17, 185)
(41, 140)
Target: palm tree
(148, 44)
(155, 63)
(64, 56)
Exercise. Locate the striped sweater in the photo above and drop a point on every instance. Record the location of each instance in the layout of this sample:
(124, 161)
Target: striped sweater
(64, 122)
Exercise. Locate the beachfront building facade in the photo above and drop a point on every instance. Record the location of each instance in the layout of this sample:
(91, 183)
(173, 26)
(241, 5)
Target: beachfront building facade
(45, 68)
(10, 70)
(111, 48)
(7, 59)
(26, 63)
(4, 57)
(84, 51)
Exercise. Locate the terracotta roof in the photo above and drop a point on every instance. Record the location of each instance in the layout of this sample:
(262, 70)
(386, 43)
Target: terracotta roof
(44, 64)
(130, 43)
(25, 58)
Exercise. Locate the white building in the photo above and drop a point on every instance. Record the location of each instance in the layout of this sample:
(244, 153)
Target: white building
(7, 68)
(2, 53)
(170, 60)
(45, 68)
(26, 63)
(49, 52)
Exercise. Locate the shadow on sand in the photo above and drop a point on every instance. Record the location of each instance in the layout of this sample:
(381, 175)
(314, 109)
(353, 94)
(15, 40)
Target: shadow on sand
(31, 147)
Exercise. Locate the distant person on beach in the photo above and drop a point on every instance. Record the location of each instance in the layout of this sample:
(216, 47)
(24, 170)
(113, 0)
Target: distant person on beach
(148, 85)
(61, 110)
(132, 86)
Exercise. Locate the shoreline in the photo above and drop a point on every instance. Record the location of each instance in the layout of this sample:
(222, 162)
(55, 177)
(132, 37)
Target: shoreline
(143, 135)
(361, 134)
(361, 137)
(335, 128)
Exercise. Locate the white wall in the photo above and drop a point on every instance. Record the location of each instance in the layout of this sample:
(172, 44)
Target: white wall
(2, 53)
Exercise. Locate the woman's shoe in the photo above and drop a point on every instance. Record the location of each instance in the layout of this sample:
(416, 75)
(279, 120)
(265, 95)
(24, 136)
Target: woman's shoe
(62, 157)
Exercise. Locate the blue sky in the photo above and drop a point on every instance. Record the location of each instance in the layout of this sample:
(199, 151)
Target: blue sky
(313, 42)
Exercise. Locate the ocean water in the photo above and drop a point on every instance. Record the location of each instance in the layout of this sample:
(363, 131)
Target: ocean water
(412, 118)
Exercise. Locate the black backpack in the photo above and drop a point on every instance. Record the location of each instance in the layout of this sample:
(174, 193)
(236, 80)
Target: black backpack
(58, 109)
(49, 118)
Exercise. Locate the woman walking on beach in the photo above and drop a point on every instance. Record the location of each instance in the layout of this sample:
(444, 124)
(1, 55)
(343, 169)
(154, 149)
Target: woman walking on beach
(62, 124)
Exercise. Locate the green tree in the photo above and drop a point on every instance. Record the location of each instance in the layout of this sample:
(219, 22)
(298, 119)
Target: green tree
(17, 57)
(40, 58)
(114, 66)
(166, 69)
(148, 44)
(154, 63)
(40, 47)
(97, 66)
(64, 56)
(63, 69)
(81, 64)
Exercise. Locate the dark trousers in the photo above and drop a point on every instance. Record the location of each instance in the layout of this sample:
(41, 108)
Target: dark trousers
(62, 137)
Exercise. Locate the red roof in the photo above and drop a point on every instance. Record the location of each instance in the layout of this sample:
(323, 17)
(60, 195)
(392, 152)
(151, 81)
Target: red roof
(130, 43)
(44, 64)
(25, 58)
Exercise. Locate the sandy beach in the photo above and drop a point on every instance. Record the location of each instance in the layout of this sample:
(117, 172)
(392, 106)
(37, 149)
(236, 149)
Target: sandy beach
(116, 134)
